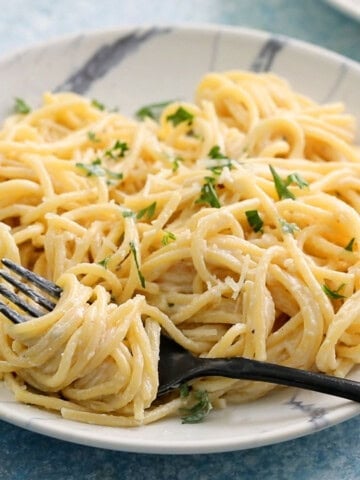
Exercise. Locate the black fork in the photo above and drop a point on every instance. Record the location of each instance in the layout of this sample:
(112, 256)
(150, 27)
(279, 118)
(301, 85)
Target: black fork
(44, 285)
(176, 365)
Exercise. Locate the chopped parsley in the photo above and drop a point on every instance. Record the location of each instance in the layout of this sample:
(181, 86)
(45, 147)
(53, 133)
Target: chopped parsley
(287, 227)
(95, 103)
(208, 193)
(216, 154)
(147, 212)
(92, 137)
(222, 160)
(184, 390)
(297, 180)
(334, 294)
(104, 262)
(95, 169)
(153, 110)
(128, 214)
(199, 410)
(134, 252)
(176, 163)
(21, 106)
(180, 116)
(350, 245)
(254, 220)
(118, 150)
(281, 185)
(167, 238)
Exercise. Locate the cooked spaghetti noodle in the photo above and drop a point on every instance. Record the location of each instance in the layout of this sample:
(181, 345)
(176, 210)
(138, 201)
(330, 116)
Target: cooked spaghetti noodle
(232, 224)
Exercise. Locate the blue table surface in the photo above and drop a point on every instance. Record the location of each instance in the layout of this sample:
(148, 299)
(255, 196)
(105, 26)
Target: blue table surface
(330, 454)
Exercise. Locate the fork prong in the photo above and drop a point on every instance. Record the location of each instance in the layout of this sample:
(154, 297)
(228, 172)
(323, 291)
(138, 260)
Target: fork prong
(11, 314)
(34, 312)
(41, 282)
(39, 299)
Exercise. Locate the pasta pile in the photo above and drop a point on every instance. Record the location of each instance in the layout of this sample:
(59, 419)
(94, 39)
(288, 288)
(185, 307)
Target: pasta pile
(231, 223)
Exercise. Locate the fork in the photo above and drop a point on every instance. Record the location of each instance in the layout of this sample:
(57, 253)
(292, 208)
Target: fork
(176, 365)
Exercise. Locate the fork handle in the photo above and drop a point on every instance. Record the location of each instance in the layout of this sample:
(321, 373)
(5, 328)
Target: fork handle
(248, 369)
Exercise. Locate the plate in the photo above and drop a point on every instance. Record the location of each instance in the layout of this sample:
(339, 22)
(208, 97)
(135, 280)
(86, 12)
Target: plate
(349, 7)
(128, 68)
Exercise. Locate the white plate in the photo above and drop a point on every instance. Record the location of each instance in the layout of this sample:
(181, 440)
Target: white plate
(349, 7)
(129, 68)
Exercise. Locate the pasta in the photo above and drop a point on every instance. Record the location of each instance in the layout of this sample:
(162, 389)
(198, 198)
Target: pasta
(231, 223)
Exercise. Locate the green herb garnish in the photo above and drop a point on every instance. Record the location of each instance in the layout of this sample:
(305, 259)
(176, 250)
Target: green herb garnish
(334, 294)
(95, 103)
(92, 137)
(147, 212)
(181, 115)
(184, 390)
(95, 169)
(199, 410)
(104, 262)
(208, 193)
(254, 220)
(118, 150)
(92, 169)
(153, 110)
(167, 238)
(128, 213)
(297, 179)
(287, 227)
(216, 154)
(281, 185)
(176, 163)
(21, 106)
(350, 245)
(134, 252)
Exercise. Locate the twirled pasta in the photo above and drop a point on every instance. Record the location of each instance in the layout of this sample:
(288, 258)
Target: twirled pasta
(180, 225)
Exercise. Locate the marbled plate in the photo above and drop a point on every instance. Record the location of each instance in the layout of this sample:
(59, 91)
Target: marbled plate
(128, 68)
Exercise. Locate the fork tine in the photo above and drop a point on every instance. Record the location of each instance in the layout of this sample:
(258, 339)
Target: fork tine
(34, 312)
(42, 283)
(11, 314)
(39, 299)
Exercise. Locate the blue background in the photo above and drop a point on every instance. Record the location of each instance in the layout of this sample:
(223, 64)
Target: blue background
(331, 454)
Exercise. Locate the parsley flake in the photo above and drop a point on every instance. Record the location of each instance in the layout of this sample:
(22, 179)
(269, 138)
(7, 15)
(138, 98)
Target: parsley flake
(92, 169)
(95, 169)
(215, 153)
(350, 245)
(281, 185)
(254, 220)
(147, 212)
(297, 179)
(118, 150)
(95, 103)
(153, 110)
(104, 262)
(134, 252)
(167, 238)
(199, 410)
(128, 214)
(287, 227)
(334, 294)
(208, 193)
(176, 163)
(21, 106)
(181, 115)
(184, 390)
(92, 137)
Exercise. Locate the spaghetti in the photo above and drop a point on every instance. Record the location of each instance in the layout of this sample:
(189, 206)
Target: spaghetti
(231, 223)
